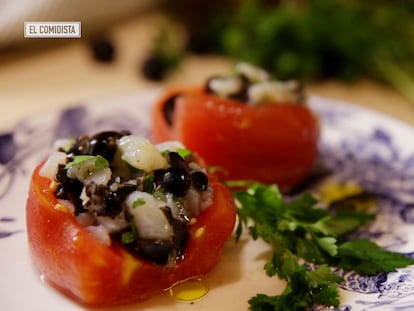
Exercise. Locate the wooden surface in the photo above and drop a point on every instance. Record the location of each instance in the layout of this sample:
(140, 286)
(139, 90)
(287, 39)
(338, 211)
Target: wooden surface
(44, 75)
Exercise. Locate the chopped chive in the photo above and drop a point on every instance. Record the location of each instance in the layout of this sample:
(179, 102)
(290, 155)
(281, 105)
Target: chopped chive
(128, 237)
(138, 202)
(78, 160)
(183, 152)
(100, 161)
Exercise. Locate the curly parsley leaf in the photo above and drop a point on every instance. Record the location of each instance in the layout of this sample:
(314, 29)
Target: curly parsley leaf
(300, 230)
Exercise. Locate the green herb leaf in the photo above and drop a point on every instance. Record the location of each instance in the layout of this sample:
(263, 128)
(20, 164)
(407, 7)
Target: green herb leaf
(328, 244)
(129, 236)
(183, 152)
(366, 257)
(299, 230)
(78, 160)
(343, 223)
(322, 275)
(100, 161)
(138, 202)
(149, 184)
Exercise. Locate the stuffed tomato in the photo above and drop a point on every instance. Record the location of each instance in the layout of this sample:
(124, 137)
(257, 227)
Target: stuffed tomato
(113, 219)
(246, 124)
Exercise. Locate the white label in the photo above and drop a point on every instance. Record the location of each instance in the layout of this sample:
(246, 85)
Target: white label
(52, 29)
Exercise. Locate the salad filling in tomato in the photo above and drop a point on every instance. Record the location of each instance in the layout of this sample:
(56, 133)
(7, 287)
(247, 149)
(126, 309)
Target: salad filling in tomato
(248, 124)
(113, 218)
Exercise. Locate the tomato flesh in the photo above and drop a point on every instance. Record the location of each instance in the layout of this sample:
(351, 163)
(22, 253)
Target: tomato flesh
(93, 274)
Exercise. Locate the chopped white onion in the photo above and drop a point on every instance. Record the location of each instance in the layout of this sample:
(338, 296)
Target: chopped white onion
(253, 73)
(196, 167)
(113, 225)
(226, 86)
(172, 145)
(64, 144)
(149, 219)
(192, 203)
(84, 197)
(206, 198)
(85, 219)
(68, 204)
(87, 172)
(100, 176)
(140, 153)
(175, 210)
(50, 167)
(274, 91)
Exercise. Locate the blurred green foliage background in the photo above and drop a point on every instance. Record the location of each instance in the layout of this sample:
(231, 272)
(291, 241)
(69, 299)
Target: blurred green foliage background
(310, 40)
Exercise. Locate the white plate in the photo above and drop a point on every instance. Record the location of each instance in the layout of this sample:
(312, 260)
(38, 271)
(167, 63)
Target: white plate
(357, 144)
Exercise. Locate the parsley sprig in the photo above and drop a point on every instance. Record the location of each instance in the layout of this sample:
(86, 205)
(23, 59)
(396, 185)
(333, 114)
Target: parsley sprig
(307, 240)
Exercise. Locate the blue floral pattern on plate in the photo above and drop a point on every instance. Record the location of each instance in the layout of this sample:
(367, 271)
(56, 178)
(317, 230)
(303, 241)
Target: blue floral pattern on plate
(357, 145)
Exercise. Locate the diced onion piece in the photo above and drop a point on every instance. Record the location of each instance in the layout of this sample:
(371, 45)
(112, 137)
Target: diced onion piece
(87, 172)
(64, 144)
(275, 91)
(100, 176)
(85, 219)
(50, 167)
(84, 197)
(253, 73)
(177, 211)
(140, 153)
(149, 219)
(68, 204)
(192, 202)
(226, 86)
(113, 224)
(172, 145)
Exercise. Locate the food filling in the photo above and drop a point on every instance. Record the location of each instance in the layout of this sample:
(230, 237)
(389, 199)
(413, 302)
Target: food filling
(253, 85)
(123, 189)
(249, 85)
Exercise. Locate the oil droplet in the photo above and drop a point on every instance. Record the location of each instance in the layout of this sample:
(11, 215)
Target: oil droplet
(189, 290)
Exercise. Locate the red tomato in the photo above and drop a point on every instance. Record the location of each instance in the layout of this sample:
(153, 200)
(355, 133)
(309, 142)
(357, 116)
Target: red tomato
(98, 275)
(270, 143)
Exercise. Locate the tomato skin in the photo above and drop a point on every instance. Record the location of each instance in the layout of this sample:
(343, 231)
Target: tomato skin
(93, 274)
(270, 143)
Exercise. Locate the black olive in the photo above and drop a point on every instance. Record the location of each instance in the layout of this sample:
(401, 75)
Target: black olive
(154, 68)
(112, 206)
(168, 109)
(70, 190)
(81, 145)
(180, 237)
(199, 180)
(175, 159)
(156, 251)
(158, 176)
(105, 144)
(61, 176)
(124, 190)
(176, 181)
(103, 49)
